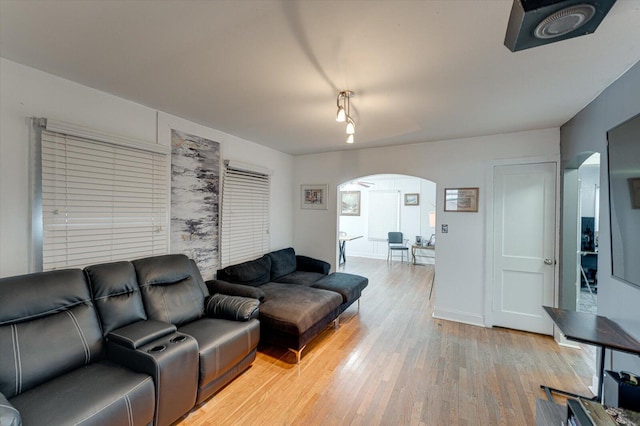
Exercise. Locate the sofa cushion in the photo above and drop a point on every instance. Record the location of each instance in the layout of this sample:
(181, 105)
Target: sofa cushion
(116, 294)
(171, 288)
(283, 262)
(254, 272)
(48, 328)
(300, 277)
(101, 393)
(350, 286)
(221, 344)
(294, 309)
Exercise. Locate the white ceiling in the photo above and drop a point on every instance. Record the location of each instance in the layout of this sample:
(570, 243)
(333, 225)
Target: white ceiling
(270, 71)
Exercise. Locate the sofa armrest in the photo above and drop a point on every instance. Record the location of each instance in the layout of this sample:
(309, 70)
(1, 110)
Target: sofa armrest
(140, 333)
(9, 415)
(224, 287)
(309, 264)
(231, 307)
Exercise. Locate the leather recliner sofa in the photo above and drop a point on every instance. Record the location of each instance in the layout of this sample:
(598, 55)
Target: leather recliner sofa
(132, 343)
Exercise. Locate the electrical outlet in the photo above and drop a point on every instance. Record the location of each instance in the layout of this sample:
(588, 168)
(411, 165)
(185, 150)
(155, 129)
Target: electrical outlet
(445, 229)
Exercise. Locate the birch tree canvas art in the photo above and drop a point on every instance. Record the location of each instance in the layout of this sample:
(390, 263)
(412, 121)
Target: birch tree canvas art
(195, 183)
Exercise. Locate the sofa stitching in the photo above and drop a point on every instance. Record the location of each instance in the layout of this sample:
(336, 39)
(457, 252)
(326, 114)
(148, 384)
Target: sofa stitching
(17, 358)
(83, 340)
(45, 313)
(127, 401)
(116, 400)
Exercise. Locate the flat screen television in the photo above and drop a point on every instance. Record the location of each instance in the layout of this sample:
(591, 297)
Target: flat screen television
(624, 199)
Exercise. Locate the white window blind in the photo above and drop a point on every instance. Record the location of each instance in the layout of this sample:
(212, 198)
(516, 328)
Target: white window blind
(101, 201)
(384, 217)
(245, 213)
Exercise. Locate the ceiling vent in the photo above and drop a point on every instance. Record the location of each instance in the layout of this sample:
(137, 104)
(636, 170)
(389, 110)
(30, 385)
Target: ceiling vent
(537, 22)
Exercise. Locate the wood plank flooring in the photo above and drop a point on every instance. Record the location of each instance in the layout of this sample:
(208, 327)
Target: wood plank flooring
(392, 363)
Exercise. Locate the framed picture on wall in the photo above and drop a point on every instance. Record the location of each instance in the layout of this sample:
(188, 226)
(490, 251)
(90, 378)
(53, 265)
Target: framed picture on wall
(411, 199)
(349, 203)
(461, 200)
(314, 196)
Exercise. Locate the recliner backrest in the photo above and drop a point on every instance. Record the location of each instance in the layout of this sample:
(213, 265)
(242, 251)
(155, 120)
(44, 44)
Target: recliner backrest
(172, 288)
(48, 327)
(116, 294)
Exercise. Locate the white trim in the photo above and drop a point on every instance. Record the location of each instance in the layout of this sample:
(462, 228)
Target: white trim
(99, 135)
(458, 316)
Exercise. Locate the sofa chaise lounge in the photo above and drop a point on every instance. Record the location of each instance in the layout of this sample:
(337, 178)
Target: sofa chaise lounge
(298, 297)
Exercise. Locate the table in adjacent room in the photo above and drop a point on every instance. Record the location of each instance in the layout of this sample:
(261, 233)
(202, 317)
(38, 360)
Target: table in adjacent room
(416, 247)
(342, 242)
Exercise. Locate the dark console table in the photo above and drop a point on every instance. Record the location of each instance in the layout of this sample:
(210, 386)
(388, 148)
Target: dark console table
(593, 330)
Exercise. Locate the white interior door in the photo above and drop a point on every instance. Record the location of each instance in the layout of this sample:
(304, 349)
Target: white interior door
(524, 246)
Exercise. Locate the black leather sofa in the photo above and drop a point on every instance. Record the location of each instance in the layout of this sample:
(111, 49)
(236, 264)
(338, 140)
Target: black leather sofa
(126, 343)
(298, 296)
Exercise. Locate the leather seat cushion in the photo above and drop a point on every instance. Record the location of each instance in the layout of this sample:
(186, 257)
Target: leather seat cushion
(221, 344)
(294, 308)
(98, 394)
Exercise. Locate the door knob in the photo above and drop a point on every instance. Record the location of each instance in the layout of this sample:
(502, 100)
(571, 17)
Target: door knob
(548, 262)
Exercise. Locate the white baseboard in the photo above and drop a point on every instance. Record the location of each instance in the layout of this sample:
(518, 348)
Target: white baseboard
(458, 316)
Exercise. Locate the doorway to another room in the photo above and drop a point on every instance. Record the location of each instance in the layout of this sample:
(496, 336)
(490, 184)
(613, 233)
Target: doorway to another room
(372, 206)
(588, 222)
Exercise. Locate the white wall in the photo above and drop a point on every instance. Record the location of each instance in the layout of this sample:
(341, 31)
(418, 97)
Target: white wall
(587, 133)
(460, 278)
(27, 92)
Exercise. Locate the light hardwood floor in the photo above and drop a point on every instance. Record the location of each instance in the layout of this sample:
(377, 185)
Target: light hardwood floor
(392, 363)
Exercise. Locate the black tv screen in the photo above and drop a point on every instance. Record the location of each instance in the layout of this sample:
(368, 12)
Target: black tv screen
(624, 200)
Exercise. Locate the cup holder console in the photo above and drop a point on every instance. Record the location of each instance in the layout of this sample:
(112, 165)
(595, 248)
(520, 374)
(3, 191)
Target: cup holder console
(156, 349)
(178, 339)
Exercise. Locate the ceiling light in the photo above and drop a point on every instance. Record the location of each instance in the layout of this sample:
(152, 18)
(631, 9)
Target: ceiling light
(344, 113)
(351, 126)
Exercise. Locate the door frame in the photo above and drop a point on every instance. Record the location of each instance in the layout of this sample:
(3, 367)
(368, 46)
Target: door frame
(489, 226)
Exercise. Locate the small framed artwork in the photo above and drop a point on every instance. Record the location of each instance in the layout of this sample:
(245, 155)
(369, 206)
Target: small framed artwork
(314, 196)
(461, 200)
(411, 199)
(349, 203)
(634, 187)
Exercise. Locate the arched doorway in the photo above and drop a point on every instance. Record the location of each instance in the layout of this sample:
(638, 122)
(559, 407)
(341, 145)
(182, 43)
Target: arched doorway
(371, 206)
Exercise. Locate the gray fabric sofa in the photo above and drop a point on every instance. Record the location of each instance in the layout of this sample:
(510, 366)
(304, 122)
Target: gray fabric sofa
(298, 297)
(131, 343)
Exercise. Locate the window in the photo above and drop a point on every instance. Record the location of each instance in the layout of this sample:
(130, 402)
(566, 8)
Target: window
(103, 198)
(245, 213)
(384, 217)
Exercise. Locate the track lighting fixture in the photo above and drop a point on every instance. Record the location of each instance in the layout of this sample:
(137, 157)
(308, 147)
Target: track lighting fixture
(351, 126)
(344, 113)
